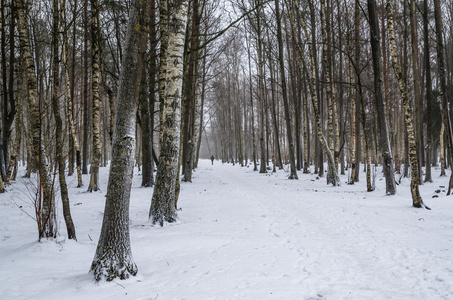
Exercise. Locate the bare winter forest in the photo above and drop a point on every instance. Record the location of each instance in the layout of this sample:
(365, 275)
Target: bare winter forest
(338, 88)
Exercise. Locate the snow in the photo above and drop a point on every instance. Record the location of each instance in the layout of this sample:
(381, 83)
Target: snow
(242, 235)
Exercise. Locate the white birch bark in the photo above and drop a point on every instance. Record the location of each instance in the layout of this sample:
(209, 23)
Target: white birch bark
(163, 200)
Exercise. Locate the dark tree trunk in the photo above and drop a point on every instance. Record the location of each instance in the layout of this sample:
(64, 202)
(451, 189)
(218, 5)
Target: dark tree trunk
(113, 258)
(85, 90)
(388, 167)
(428, 85)
(59, 123)
(293, 172)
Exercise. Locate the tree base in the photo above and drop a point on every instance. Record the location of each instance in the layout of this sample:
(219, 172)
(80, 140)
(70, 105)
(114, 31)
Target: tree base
(110, 267)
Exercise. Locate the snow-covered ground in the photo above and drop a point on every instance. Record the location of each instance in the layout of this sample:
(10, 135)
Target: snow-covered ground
(242, 235)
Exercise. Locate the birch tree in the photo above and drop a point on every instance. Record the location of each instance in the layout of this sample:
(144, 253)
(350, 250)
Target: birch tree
(416, 198)
(46, 216)
(96, 77)
(163, 199)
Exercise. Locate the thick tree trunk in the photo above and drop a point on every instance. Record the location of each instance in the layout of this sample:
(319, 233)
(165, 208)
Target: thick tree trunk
(113, 258)
(163, 200)
(388, 167)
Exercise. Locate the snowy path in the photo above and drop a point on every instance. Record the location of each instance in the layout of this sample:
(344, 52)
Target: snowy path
(244, 235)
(304, 240)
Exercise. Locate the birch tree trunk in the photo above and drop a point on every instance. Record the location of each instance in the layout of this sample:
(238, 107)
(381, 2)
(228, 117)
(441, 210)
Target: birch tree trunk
(113, 258)
(96, 76)
(163, 200)
(46, 217)
(416, 77)
(329, 91)
(162, 76)
(416, 198)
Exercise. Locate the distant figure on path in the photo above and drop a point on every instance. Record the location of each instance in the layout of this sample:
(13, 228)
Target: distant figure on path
(212, 159)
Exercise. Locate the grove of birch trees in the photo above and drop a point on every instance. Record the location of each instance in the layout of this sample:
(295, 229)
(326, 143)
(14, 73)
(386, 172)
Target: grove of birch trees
(325, 87)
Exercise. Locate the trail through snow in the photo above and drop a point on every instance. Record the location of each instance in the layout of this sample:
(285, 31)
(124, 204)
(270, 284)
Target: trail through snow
(244, 235)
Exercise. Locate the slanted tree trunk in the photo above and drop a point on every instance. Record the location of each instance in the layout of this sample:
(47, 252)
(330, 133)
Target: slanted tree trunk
(113, 258)
(59, 122)
(163, 200)
(191, 95)
(388, 167)
(201, 114)
(293, 172)
(95, 81)
(416, 198)
(313, 92)
(46, 217)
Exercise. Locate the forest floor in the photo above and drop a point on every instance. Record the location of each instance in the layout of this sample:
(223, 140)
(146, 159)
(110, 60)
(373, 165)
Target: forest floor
(242, 235)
